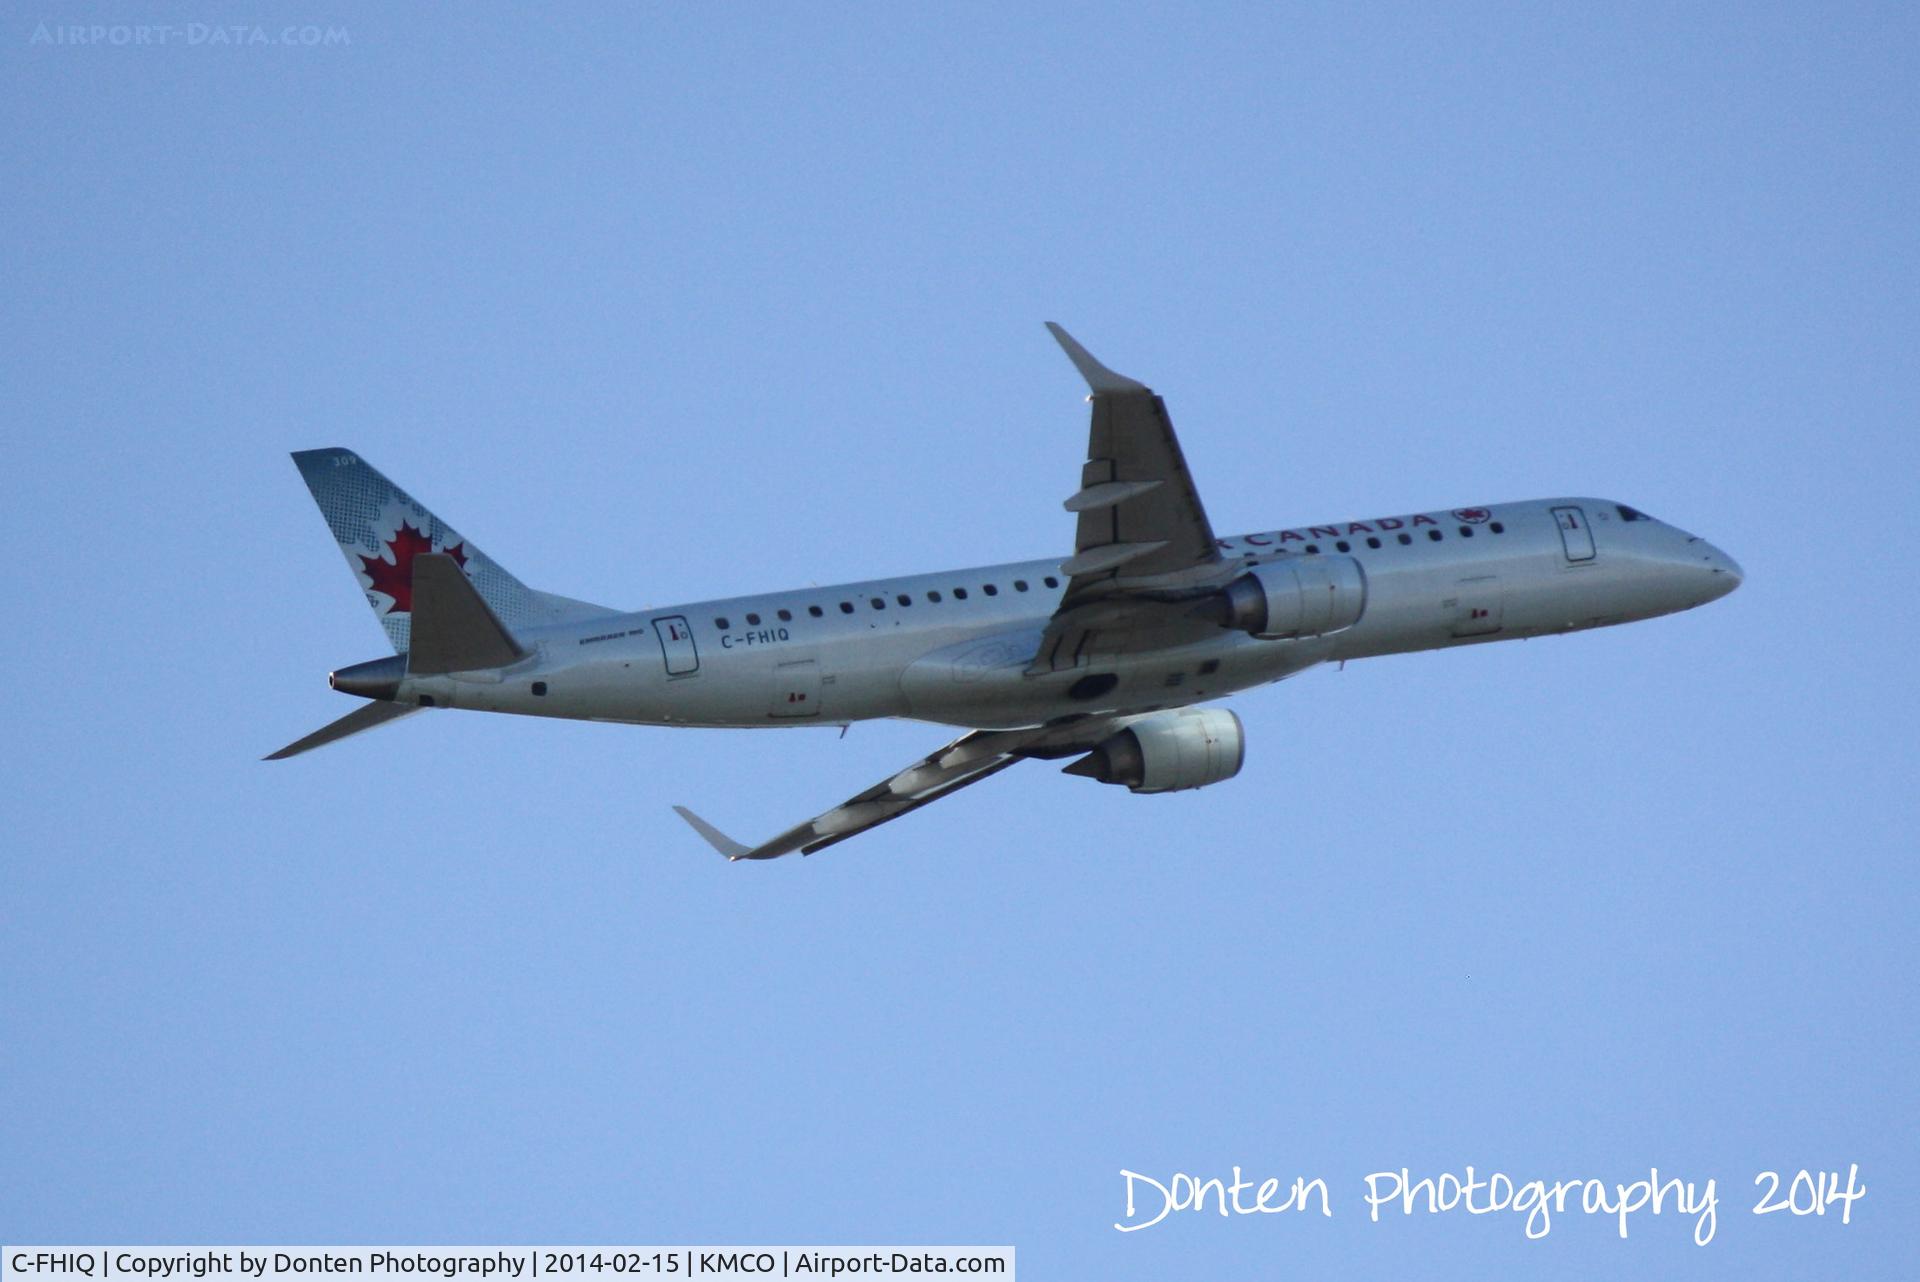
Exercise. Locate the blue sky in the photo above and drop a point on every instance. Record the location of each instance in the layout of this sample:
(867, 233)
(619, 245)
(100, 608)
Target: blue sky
(660, 303)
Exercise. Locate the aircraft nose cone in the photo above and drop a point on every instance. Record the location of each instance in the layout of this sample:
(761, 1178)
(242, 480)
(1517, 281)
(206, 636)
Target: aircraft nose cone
(1723, 573)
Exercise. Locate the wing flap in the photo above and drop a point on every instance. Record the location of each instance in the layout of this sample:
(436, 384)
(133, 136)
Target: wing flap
(965, 761)
(1109, 556)
(1109, 493)
(1135, 488)
(926, 780)
(1143, 548)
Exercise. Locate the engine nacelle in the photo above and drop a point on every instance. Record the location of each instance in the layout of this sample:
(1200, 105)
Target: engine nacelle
(1169, 751)
(1297, 596)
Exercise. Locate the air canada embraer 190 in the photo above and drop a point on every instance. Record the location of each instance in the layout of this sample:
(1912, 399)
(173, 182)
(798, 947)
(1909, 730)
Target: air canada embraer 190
(1104, 656)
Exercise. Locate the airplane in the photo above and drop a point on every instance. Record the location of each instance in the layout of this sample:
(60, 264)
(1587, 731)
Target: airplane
(1105, 656)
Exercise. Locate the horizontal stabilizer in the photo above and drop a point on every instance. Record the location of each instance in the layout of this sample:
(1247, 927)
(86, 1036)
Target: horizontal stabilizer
(453, 628)
(365, 717)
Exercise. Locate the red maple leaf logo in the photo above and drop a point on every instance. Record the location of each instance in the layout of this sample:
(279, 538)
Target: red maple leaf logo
(395, 578)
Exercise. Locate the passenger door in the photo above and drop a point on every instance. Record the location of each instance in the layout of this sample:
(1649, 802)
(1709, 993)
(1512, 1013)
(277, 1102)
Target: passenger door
(676, 645)
(1575, 537)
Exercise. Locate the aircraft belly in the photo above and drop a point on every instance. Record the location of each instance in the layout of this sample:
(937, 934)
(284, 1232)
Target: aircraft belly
(984, 683)
(1522, 596)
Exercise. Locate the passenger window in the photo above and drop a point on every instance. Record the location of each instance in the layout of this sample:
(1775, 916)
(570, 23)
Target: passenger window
(1019, 585)
(846, 607)
(786, 616)
(903, 598)
(722, 624)
(1466, 531)
(959, 594)
(814, 610)
(1435, 535)
(1497, 528)
(753, 620)
(879, 603)
(1374, 544)
(1343, 546)
(1405, 539)
(1051, 582)
(934, 597)
(1313, 549)
(990, 590)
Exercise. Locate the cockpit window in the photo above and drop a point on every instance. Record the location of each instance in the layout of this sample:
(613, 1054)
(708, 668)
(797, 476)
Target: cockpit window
(1629, 514)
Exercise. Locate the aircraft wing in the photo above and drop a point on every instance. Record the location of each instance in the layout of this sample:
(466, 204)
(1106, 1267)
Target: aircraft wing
(1143, 549)
(966, 760)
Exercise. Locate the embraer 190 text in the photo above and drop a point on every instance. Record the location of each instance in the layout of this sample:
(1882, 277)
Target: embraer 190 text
(1104, 657)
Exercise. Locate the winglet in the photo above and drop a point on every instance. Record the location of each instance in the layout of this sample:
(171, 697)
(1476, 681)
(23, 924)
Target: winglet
(713, 836)
(1098, 376)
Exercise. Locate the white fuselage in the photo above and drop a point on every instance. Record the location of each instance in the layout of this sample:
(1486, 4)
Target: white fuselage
(954, 647)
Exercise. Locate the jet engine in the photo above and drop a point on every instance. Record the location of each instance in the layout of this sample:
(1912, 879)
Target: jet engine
(1299, 596)
(1169, 751)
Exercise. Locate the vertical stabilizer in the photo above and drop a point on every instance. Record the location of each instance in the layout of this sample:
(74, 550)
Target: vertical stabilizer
(381, 529)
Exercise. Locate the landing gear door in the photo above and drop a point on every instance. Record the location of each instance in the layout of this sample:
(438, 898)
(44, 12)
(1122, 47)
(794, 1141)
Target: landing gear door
(1575, 537)
(676, 645)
